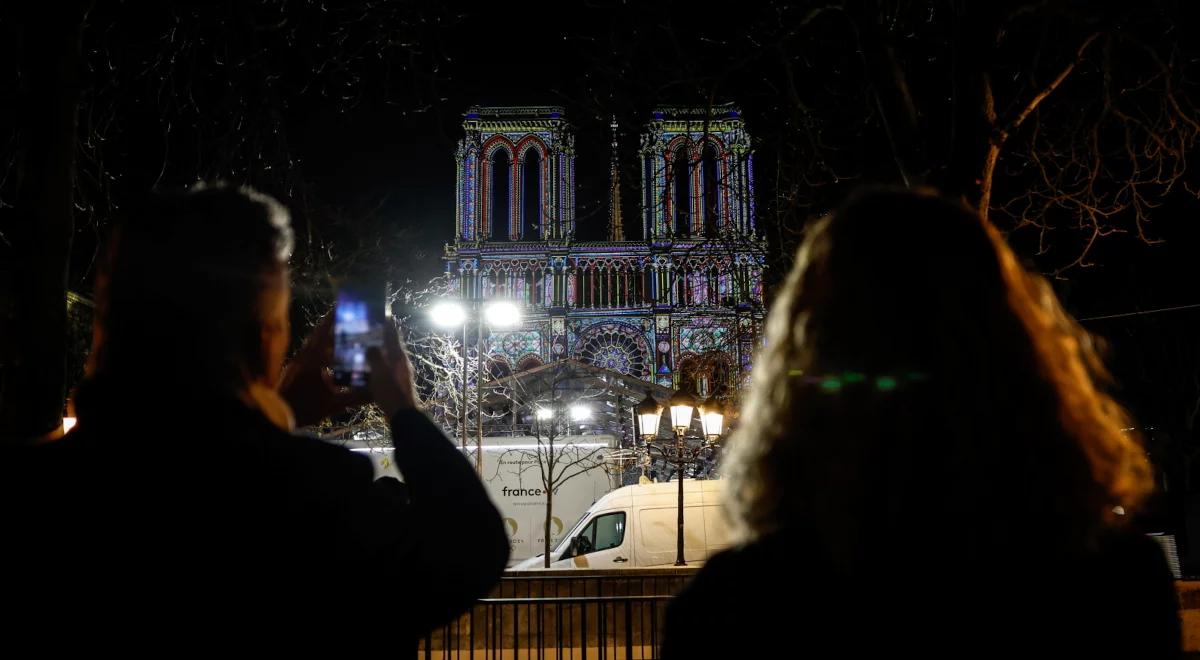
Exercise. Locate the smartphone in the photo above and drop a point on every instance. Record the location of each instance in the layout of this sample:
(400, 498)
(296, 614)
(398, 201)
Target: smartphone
(358, 325)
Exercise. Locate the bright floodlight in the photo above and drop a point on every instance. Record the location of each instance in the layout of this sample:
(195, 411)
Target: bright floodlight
(580, 412)
(448, 314)
(544, 413)
(502, 314)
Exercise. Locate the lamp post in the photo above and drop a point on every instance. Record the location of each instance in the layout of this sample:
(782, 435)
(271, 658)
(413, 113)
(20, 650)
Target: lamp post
(451, 314)
(678, 453)
(498, 314)
(681, 419)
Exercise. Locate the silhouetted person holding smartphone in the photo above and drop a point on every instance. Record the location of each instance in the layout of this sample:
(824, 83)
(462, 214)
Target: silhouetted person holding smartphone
(182, 512)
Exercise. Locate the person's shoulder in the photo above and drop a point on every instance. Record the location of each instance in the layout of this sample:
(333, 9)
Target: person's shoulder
(308, 444)
(28, 461)
(1131, 553)
(768, 549)
(747, 566)
(21, 466)
(728, 595)
(1123, 544)
(314, 455)
(1131, 580)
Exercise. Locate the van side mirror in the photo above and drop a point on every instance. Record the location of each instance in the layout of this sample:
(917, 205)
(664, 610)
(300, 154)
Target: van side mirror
(576, 547)
(580, 545)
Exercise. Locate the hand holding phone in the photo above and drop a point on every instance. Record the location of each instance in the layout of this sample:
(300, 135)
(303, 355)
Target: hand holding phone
(358, 326)
(307, 385)
(392, 384)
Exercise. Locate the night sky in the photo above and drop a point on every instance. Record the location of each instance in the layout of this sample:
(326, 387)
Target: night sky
(383, 150)
(592, 58)
(549, 56)
(350, 111)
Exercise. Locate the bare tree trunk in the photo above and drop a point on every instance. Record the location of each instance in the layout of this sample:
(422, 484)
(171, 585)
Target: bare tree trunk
(40, 225)
(891, 93)
(548, 484)
(549, 519)
(989, 173)
(1001, 133)
(972, 109)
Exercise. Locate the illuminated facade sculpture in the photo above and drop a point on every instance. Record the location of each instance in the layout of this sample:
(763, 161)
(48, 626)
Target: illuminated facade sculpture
(680, 305)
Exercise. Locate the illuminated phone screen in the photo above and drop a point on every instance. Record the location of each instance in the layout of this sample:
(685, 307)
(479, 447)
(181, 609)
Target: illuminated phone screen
(357, 327)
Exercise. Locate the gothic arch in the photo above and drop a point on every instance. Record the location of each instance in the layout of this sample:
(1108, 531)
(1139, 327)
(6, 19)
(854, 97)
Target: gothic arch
(497, 367)
(678, 141)
(714, 140)
(501, 199)
(531, 190)
(529, 362)
(710, 186)
(682, 189)
(708, 375)
(532, 158)
(531, 142)
(497, 201)
(497, 142)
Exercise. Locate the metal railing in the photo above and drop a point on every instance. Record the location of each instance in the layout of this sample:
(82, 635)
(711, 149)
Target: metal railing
(601, 627)
(563, 616)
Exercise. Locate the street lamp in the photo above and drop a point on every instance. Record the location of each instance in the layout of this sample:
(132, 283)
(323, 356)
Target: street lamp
(712, 420)
(649, 414)
(580, 413)
(677, 453)
(681, 404)
(499, 314)
(448, 314)
(502, 314)
(576, 412)
(451, 314)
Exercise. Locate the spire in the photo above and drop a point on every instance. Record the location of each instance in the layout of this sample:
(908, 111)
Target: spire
(616, 230)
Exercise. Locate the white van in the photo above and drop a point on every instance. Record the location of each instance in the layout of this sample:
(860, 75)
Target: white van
(635, 527)
(512, 479)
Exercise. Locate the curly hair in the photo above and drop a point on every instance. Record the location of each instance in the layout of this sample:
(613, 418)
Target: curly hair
(916, 378)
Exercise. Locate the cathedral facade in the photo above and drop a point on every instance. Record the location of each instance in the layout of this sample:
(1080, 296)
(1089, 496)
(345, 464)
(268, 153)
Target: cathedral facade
(680, 305)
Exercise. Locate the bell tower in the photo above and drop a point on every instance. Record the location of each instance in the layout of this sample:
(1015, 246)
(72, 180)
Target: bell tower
(516, 176)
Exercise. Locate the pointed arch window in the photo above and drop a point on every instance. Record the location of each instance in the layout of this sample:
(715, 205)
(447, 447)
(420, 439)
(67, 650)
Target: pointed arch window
(682, 180)
(710, 180)
(501, 195)
(531, 195)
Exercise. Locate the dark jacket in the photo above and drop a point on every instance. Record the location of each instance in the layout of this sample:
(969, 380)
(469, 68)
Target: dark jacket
(206, 525)
(778, 597)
